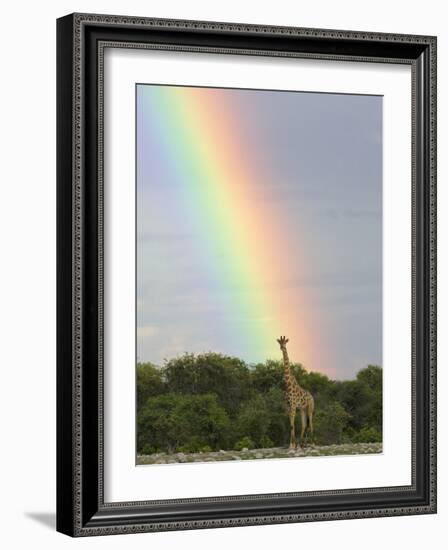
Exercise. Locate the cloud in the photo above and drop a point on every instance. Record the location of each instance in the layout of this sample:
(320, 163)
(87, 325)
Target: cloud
(147, 331)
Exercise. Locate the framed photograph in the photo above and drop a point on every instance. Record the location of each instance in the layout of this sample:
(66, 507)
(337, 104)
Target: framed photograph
(246, 274)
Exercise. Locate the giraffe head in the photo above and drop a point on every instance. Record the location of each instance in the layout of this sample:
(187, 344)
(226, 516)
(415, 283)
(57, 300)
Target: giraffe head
(282, 342)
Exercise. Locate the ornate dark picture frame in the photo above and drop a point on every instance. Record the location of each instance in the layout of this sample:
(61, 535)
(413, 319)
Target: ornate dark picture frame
(81, 509)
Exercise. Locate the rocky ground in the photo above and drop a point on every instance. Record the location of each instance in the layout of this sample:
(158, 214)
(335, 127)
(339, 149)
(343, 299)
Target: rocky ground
(276, 452)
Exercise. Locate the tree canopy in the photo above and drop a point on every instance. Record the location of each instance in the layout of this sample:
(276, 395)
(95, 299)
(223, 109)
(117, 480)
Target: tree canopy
(211, 401)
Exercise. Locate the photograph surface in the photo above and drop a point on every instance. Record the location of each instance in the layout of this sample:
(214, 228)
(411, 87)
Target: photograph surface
(258, 274)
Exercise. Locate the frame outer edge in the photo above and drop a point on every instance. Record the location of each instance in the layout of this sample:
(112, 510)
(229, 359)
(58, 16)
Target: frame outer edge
(70, 517)
(222, 26)
(65, 371)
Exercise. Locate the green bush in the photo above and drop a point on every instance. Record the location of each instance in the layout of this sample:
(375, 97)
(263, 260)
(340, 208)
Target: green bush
(244, 443)
(367, 435)
(147, 450)
(195, 444)
(266, 442)
(330, 423)
(149, 382)
(278, 427)
(173, 422)
(253, 419)
(228, 378)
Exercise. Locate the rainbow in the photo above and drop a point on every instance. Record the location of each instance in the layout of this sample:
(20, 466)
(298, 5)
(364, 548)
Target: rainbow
(199, 135)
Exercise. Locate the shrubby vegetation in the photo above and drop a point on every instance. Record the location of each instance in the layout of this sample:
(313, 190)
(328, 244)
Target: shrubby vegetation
(210, 402)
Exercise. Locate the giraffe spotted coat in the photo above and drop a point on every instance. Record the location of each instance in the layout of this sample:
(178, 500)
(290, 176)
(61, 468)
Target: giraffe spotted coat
(297, 398)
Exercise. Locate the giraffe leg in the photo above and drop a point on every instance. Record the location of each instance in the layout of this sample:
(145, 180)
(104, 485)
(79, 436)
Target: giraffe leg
(292, 438)
(303, 416)
(310, 420)
(310, 425)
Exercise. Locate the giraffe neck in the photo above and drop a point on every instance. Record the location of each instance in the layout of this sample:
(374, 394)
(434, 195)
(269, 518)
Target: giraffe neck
(290, 379)
(285, 357)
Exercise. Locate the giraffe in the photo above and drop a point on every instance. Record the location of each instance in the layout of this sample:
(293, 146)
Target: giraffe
(297, 398)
